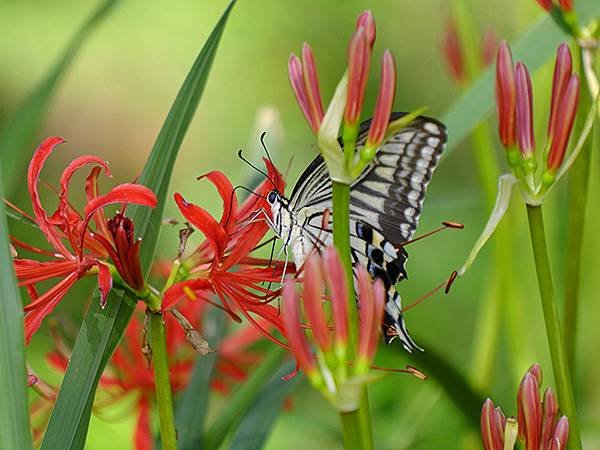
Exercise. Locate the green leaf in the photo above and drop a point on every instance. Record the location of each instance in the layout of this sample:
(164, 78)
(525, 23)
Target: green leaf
(102, 329)
(466, 399)
(534, 48)
(192, 404)
(18, 136)
(258, 422)
(14, 420)
(242, 400)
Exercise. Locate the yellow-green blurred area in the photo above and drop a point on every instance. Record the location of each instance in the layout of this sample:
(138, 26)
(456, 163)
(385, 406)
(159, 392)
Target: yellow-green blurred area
(115, 96)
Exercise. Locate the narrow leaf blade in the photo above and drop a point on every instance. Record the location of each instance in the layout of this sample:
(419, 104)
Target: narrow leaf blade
(14, 426)
(256, 426)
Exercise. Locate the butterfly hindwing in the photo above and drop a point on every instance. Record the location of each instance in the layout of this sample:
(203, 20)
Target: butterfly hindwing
(385, 204)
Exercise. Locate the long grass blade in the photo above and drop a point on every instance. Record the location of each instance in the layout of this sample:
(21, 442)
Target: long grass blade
(14, 419)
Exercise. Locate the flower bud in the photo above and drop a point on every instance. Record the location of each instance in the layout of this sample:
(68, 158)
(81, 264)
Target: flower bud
(385, 100)
(359, 56)
(506, 93)
(562, 71)
(524, 111)
(529, 408)
(366, 21)
(563, 126)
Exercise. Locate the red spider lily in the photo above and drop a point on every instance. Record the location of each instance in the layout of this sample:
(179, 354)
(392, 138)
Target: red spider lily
(78, 250)
(539, 425)
(228, 243)
(129, 375)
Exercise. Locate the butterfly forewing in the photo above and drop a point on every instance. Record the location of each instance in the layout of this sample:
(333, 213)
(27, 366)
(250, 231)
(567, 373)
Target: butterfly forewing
(385, 204)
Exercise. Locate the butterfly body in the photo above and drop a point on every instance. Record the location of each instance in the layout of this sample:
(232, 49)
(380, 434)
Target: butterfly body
(385, 204)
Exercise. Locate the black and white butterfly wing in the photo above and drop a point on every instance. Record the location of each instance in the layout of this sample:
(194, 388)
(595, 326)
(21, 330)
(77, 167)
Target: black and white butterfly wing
(385, 205)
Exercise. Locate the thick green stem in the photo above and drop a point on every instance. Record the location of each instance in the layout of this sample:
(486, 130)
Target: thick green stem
(354, 433)
(560, 367)
(341, 240)
(578, 193)
(357, 428)
(163, 385)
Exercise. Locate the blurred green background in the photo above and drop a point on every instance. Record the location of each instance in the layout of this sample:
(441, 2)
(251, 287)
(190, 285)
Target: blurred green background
(116, 94)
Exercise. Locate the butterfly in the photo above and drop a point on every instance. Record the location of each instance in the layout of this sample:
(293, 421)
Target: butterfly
(385, 204)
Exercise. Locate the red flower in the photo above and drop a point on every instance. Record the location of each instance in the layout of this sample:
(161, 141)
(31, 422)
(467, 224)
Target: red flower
(228, 243)
(78, 250)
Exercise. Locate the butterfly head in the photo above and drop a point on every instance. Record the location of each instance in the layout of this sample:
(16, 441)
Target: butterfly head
(280, 214)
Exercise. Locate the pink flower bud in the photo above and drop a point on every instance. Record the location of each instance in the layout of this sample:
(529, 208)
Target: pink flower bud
(359, 55)
(506, 94)
(305, 84)
(562, 71)
(313, 302)
(561, 434)
(492, 427)
(365, 20)
(294, 331)
(338, 289)
(311, 82)
(453, 52)
(566, 5)
(546, 4)
(524, 111)
(529, 408)
(536, 371)
(385, 100)
(550, 410)
(567, 109)
(371, 298)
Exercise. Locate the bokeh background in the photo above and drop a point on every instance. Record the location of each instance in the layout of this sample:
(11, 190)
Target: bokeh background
(114, 98)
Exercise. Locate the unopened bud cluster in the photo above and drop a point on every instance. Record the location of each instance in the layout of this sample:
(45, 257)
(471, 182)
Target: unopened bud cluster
(514, 100)
(538, 426)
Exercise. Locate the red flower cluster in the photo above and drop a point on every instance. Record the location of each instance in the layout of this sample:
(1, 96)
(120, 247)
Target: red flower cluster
(129, 374)
(78, 250)
(228, 243)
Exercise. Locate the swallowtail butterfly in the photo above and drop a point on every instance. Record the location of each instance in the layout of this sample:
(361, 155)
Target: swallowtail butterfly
(385, 204)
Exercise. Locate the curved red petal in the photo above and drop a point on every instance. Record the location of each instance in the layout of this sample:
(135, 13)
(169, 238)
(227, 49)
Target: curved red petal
(105, 283)
(226, 192)
(183, 289)
(46, 304)
(33, 175)
(203, 221)
(137, 194)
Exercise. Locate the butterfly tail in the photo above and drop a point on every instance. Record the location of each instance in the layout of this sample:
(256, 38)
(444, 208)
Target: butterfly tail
(393, 322)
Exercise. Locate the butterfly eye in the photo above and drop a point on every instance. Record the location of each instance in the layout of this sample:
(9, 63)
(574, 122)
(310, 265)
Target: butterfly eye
(272, 197)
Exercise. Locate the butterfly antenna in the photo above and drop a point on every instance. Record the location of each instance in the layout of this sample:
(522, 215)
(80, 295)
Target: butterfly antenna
(262, 142)
(241, 156)
(445, 225)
